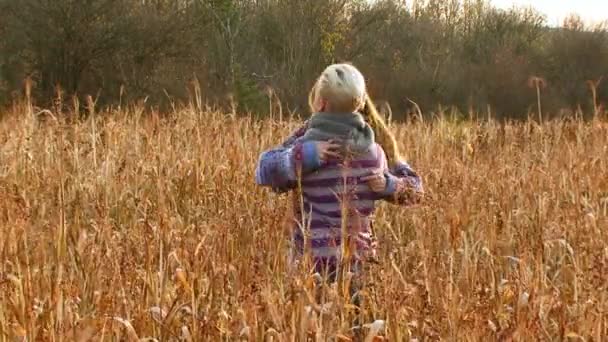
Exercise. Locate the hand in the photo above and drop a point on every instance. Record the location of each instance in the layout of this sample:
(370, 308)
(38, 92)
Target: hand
(376, 182)
(328, 150)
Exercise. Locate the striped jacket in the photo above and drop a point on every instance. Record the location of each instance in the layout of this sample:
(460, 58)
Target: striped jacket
(331, 196)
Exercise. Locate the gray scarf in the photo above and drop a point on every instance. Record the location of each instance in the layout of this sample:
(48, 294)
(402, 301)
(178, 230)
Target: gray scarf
(349, 128)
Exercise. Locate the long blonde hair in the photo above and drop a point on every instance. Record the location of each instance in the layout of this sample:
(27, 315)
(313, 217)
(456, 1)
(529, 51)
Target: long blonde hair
(382, 133)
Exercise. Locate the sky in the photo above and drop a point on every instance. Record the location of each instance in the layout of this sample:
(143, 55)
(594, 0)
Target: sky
(591, 11)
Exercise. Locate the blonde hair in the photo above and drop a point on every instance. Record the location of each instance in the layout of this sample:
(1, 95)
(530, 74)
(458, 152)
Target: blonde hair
(342, 86)
(382, 133)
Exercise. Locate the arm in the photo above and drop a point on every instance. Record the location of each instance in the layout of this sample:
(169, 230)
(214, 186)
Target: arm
(277, 167)
(403, 185)
(298, 133)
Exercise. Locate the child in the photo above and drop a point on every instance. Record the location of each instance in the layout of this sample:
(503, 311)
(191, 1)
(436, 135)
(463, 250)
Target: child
(339, 171)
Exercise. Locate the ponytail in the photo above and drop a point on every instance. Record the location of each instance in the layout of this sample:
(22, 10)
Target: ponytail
(383, 135)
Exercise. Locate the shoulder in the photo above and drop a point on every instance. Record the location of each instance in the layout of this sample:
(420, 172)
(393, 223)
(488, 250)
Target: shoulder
(296, 135)
(302, 129)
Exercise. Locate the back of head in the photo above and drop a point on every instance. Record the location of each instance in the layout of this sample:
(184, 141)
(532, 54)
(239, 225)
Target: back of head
(341, 86)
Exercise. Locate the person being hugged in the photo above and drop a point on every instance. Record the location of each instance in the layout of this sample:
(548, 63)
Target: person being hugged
(337, 167)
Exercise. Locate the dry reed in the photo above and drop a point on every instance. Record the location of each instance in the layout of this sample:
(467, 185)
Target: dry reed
(124, 226)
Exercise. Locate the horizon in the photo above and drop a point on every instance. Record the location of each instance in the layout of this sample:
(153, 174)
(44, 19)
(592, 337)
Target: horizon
(592, 12)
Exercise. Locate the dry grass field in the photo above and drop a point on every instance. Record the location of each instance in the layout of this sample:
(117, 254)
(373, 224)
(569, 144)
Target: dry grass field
(127, 226)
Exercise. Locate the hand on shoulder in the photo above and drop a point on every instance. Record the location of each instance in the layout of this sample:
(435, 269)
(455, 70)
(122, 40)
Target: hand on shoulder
(315, 153)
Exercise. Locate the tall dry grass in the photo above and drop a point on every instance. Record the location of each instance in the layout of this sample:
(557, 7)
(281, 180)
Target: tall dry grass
(125, 226)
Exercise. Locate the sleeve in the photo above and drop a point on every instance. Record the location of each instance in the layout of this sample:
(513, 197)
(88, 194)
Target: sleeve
(298, 133)
(403, 184)
(277, 167)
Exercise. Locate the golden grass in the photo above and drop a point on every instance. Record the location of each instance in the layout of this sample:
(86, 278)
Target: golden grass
(126, 226)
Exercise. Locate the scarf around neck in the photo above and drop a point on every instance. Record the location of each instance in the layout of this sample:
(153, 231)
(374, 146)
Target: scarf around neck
(348, 128)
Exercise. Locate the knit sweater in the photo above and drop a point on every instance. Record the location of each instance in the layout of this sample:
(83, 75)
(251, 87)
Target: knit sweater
(332, 194)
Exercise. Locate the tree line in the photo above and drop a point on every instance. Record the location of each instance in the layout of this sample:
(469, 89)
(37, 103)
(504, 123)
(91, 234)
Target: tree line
(463, 54)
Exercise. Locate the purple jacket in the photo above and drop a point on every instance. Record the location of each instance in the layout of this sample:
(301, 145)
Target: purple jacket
(332, 194)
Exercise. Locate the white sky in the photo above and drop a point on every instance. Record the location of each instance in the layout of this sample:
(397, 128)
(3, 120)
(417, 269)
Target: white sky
(591, 11)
